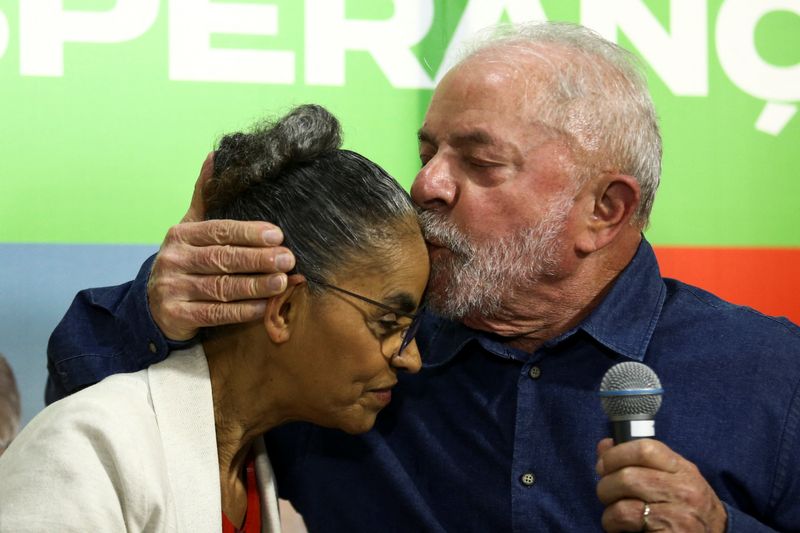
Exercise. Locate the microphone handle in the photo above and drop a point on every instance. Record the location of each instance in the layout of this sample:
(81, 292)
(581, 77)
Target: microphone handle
(628, 430)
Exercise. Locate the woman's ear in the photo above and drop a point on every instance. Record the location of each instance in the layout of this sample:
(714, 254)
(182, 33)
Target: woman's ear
(282, 310)
(615, 198)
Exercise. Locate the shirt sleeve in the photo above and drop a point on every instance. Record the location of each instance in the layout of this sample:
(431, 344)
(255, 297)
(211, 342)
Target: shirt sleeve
(739, 522)
(106, 330)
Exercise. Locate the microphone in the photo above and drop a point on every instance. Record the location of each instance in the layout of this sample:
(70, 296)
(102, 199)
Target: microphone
(631, 396)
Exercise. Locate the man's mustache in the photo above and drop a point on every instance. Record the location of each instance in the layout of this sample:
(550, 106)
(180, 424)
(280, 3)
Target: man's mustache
(438, 230)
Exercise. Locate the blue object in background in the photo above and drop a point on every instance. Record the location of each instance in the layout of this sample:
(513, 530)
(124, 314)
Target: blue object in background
(37, 284)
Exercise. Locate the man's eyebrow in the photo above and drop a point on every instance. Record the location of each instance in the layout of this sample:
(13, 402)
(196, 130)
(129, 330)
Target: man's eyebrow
(474, 137)
(477, 136)
(425, 137)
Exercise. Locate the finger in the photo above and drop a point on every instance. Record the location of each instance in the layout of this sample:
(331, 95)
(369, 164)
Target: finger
(638, 483)
(602, 447)
(180, 304)
(629, 515)
(209, 314)
(197, 208)
(647, 453)
(225, 260)
(230, 287)
(230, 232)
(625, 515)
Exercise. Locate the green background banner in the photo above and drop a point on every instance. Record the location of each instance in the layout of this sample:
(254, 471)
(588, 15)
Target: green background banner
(102, 140)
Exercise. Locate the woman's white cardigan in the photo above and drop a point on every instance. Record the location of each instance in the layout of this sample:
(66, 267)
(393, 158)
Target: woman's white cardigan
(136, 452)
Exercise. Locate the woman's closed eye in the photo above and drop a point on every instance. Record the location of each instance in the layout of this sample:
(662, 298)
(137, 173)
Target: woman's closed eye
(390, 324)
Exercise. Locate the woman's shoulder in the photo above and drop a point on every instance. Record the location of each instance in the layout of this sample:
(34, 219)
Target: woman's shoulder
(96, 420)
(101, 443)
(115, 397)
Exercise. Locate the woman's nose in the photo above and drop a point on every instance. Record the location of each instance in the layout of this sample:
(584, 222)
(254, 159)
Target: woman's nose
(408, 360)
(434, 187)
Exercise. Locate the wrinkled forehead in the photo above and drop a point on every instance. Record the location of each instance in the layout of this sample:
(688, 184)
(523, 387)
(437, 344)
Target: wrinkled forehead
(522, 80)
(491, 100)
(525, 83)
(524, 68)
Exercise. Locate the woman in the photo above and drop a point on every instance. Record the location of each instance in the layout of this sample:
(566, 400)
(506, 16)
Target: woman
(168, 448)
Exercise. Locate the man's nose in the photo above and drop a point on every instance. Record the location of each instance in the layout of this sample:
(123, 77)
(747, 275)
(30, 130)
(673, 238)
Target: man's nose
(435, 186)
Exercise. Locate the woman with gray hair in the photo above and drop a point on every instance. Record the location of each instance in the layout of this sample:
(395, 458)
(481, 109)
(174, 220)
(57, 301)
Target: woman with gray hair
(177, 446)
(9, 405)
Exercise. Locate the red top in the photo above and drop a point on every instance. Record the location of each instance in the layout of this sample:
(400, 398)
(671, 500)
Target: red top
(252, 517)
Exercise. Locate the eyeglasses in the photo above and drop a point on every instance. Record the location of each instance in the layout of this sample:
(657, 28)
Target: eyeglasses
(408, 334)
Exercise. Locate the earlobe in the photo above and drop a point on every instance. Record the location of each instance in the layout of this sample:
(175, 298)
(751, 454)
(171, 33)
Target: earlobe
(615, 199)
(281, 311)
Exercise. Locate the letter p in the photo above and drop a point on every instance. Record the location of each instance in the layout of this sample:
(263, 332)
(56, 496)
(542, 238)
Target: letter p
(45, 26)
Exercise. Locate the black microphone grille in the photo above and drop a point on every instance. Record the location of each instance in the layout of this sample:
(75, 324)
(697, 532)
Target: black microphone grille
(630, 391)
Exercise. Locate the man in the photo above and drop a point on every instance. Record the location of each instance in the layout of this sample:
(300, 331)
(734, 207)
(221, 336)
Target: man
(541, 157)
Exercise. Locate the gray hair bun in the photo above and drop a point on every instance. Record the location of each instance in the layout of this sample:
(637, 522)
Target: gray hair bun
(333, 205)
(244, 159)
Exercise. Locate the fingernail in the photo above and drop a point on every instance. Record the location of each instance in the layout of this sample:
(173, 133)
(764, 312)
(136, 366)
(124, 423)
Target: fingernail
(273, 236)
(284, 262)
(277, 283)
(599, 467)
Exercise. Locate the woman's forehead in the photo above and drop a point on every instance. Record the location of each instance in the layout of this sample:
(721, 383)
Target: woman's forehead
(397, 280)
(399, 287)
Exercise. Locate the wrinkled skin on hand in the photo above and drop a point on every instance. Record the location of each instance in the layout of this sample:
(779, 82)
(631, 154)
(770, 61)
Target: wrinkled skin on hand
(647, 470)
(215, 272)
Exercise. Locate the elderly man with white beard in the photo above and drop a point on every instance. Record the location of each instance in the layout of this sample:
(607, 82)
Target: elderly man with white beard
(540, 160)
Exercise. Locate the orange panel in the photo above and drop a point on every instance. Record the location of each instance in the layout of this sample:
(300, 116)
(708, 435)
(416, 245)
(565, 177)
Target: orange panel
(767, 279)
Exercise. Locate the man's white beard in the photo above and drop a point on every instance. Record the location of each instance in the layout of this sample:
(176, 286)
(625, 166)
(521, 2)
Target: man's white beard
(475, 279)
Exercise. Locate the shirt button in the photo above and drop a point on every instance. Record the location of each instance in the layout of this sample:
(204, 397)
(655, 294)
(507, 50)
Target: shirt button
(528, 479)
(152, 347)
(535, 372)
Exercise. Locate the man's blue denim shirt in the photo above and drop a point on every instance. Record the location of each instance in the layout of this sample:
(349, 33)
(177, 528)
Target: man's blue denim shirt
(489, 438)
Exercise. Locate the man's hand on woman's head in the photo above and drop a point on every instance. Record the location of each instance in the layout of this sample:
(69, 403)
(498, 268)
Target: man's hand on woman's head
(209, 273)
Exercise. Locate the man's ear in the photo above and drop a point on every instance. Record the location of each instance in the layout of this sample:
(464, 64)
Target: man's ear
(282, 310)
(614, 200)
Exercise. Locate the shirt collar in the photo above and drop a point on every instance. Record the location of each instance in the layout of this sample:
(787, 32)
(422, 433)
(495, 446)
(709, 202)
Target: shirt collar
(439, 339)
(623, 321)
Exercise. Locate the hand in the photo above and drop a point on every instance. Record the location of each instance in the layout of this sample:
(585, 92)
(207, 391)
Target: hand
(646, 470)
(214, 272)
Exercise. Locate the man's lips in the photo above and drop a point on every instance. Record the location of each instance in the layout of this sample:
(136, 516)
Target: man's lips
(434, 246)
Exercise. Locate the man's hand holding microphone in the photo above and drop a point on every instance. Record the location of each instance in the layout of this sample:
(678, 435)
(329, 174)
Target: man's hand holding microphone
(644, 485)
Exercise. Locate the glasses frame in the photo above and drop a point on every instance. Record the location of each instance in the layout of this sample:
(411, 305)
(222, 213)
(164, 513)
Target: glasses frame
(410, 332)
